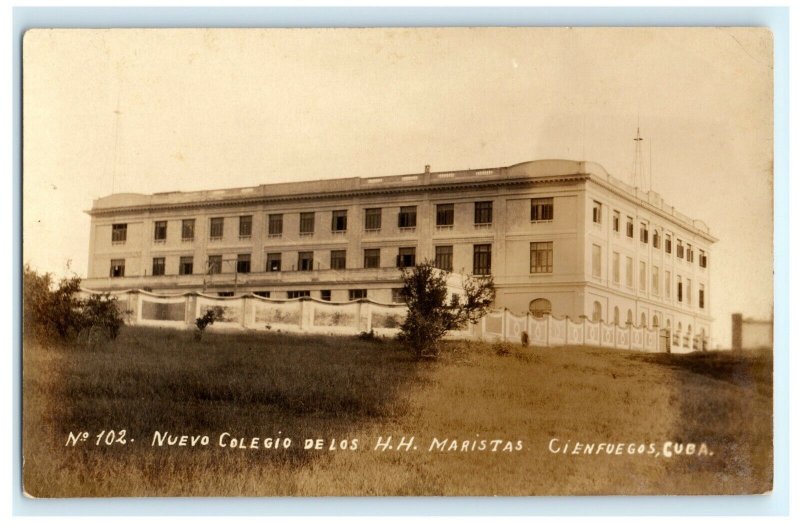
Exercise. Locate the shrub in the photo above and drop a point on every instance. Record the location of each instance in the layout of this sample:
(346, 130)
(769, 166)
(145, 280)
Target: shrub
(211, 315)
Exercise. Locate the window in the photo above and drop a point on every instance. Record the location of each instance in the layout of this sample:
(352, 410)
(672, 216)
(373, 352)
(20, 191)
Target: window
(325, 295)
(615, 267)
(655, 321)
(689, 291)
(357, 294)
(482, 259)
(616, 316)
(597, 212)
(298, 294)
(215, 264)
(615, 221)
(306, 223)
(243, 263)
(703, 259)
(656, 240)
(679, 251)
(397, 296)
(407, 218)
(654, 285)
(629, 318)
(158, 266)
(262, 294)
(444, 257)
(305, 261)
(597, 261)
(217, 225)
(541, 209)
(597, 312)
(339, 221)
(689, 253)
(273, 262)
(445, 215)
(540, 307)
(275, 225)
(117, 269)
(372, 219)
(667, 284)
(160, 231)
(629, 227)
(668, 243)
(186, 265)
(629, 271)
(541, 257)
(187, 230)
(245, 227)
(372, 258)
(680, 288)
(406, 257)
(225, 293)
(119, 233)
(643, 320)
(483, 212)
(643, 233)
(642, 276)
(701, 297)
(338, 259)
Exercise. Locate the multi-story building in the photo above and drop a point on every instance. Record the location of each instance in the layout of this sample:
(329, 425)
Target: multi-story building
(559, 237)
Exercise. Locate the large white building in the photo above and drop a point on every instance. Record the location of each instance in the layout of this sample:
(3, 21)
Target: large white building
(560, 237)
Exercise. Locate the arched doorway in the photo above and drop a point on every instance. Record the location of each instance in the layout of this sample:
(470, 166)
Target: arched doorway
(540, 307)
(597, 312)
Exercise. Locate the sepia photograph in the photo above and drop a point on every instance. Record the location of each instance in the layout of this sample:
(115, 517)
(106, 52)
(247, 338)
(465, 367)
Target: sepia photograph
(475, 261)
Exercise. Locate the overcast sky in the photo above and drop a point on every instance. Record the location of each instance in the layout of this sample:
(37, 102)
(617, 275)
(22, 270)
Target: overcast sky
(159, 110)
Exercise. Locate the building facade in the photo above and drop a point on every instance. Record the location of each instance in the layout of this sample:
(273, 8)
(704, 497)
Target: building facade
(559, 237)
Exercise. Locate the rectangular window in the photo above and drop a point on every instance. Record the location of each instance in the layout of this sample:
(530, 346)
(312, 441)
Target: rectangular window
(339, 221)
(445, 215)
(372, 258)
(680, 288)
(338, 259)
(298, 294)
(372, 219)
(656, 240)
(214, 264)
(160, 231)
(689, 291)
(629, 227)
(615, 221)
(701, 297)
(407, 257)
(217, 226)
(597, 212)
(187, 230)
(679, 250)
(117, 269)
(482, 259)
(262, 294)
(407, 218)
(689, 253)
(397, 296)
(325, 294)
(119, 233)
(703, 259)
(597, 261)
(356, 294)
(159, 266)
(186, 265)
(245, 227)
(225, 293)
(273, 262)
(541, 209)
(444, 257)
(654, 285)
(243, 263)
(541, 257)
(483, 212)
(668, 243)
(667, 284)
(615, 265)
(629, 271)
(306, 223)
(275, 225)
(643, 233)
(305, 261)
(642, 276)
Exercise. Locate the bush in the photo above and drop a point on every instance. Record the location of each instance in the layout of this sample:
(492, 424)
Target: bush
(212, 315)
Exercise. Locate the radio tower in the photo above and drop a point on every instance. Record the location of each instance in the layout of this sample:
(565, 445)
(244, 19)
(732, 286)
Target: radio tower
(638, 169)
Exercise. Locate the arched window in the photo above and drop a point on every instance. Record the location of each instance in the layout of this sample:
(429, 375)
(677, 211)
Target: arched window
(597, 312)
(540, 307)
(643, 320)
(655, 321)
(679, 327)
(616, 316)
(669, 324)
(689, 330)
(629, 320)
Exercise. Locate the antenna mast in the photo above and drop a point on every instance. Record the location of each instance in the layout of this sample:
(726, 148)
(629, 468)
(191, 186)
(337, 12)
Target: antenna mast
(638, 172)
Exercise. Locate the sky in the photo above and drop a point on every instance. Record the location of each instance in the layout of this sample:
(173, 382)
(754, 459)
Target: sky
(147, 111)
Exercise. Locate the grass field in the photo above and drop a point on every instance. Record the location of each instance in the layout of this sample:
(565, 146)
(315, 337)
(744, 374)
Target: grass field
(334, 388)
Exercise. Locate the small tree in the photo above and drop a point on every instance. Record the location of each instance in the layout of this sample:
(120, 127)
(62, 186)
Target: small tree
(212, 314)
(431, 314)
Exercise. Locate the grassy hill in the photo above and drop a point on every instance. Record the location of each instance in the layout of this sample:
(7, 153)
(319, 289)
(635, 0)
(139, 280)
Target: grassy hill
(339, 390)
